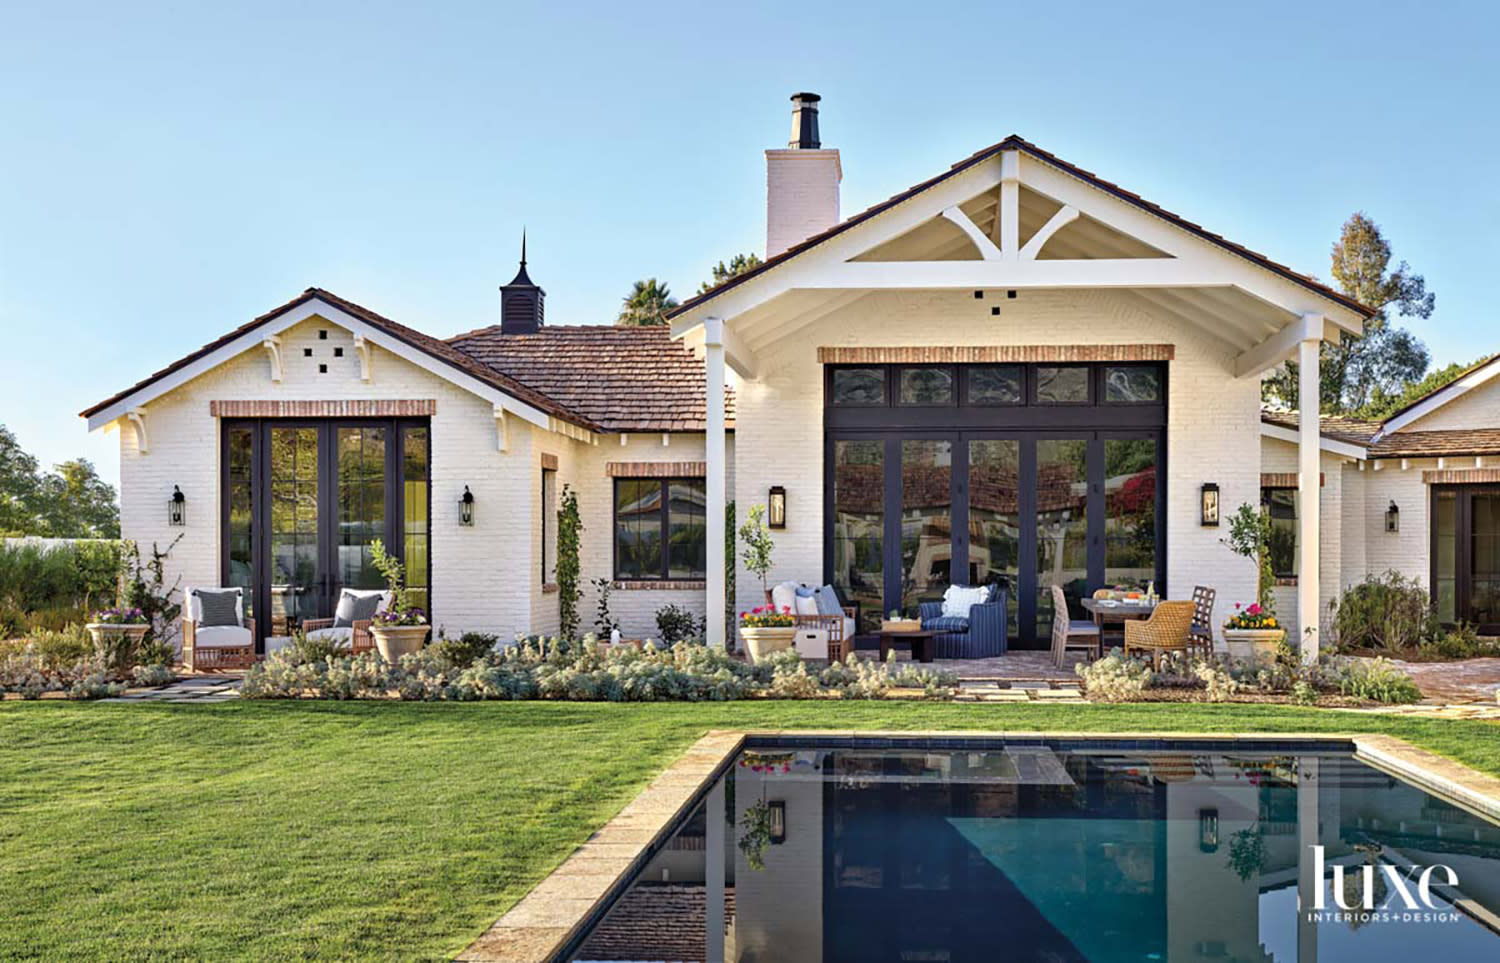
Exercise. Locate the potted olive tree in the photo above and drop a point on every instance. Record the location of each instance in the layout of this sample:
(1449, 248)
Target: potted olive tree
(1253, 631)
(763, 629)
(402, 627)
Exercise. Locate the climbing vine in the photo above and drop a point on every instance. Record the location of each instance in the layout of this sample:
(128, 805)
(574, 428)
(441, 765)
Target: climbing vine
(569, 525)
(729, 547)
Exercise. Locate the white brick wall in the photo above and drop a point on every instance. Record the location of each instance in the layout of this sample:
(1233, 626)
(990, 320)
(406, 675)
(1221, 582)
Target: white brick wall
(1476, 408)
(1213, 419)
(802, 196)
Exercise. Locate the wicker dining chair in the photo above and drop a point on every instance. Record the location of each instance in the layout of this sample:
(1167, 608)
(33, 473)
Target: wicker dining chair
(1069, 633)
(1167, 630)
(1201, 635)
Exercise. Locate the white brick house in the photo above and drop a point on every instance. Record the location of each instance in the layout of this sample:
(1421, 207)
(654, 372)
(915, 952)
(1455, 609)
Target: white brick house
(1014, 372)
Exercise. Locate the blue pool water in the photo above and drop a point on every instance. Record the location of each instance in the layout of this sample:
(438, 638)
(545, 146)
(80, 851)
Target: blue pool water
(1062, 851)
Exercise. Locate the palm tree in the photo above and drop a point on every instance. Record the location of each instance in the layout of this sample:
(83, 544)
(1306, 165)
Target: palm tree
(647, 303)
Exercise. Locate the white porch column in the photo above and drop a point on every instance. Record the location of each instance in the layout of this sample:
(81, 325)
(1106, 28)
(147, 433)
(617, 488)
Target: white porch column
(1308, 509)
(713, 451)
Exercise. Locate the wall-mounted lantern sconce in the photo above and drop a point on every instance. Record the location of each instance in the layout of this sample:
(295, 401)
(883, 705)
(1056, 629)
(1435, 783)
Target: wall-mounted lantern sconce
(1210, 508)
(466, 509)
(776, 507)
(1393, 519)
(177, 508)
(1208, 830)
(778, 821)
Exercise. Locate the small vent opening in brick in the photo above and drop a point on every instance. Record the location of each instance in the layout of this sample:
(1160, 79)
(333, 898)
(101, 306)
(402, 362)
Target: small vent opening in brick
(322, 335)
(307, 352)
(322, 369)
(338, 352)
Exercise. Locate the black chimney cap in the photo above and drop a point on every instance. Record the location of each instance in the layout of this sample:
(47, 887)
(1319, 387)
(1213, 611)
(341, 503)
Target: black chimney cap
(805, 122)
(806, 98)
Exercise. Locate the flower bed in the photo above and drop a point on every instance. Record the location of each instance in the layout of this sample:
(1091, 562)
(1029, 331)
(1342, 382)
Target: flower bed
(540, 668)
(1331, 681)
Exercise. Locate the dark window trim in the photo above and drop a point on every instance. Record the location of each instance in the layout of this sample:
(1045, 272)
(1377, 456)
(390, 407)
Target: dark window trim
(1463, 543)
(1105, 366)
(1091, 377)
(664, 573)
(1288, 578)
(885, 386)
(899, 371)
(965, 370)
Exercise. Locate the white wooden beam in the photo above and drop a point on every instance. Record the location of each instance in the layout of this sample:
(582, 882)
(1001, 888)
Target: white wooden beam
(1092, 273)
(1010, 204)
(987, 249)
(801, 320)
(1278, 347)
(739, 356)
(272, 344)
(1065, 215)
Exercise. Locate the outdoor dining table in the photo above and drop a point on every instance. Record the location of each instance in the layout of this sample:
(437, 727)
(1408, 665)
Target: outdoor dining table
(1120, 610)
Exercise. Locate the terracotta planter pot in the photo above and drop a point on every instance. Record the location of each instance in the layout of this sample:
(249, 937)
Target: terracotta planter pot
(394, 641)
(762, 642)
(1257, 644)
(116, 644)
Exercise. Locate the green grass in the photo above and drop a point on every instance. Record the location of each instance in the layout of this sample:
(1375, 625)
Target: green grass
(358, 830)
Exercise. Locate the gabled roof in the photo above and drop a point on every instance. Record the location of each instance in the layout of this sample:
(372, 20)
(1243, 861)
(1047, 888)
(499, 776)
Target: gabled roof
(1354, 431)
(1476, 373)
(622, 378)
(1016, 143)
(432, 347)
(1376, 441)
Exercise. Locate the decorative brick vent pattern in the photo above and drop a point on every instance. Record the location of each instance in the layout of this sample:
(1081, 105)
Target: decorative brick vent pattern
(418, 408)
(982, 354)
(656, 469)
(655, 922)
(1285, 479)
(1462, 476)
(661, 585)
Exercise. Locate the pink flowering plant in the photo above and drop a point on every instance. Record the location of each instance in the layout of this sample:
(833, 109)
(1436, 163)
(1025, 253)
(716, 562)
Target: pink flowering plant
(768, 617)
(120, 616)
(1252, 616)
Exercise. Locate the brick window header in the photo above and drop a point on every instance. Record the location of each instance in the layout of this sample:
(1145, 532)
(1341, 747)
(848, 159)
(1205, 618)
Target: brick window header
(988, 354)
(656, 469)
(1462, 476)
(1285, 479)
(549, 461)
(415, 408)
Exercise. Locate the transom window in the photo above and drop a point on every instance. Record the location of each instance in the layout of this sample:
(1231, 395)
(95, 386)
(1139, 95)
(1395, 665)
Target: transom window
(995, 385)
(660, 529)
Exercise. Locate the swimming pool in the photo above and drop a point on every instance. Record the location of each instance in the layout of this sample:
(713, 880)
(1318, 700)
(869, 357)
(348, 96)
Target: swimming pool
(1051, 850)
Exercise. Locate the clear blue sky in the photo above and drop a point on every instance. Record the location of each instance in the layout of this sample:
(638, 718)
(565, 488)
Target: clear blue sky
(168, 172)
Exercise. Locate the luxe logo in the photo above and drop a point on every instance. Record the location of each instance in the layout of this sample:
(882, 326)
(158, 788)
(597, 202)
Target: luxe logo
(1412, 887)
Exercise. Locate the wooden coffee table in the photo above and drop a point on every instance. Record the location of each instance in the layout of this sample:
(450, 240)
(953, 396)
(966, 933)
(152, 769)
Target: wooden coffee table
(920, 639)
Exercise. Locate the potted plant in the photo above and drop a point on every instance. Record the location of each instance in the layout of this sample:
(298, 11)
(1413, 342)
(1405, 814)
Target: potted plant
(402, 627)
(117, 634)
(895, 622)
(765, 630)
(1253, 633)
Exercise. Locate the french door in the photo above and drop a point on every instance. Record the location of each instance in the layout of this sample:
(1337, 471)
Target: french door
(303, 501)
(1465, 550)
(912, 512)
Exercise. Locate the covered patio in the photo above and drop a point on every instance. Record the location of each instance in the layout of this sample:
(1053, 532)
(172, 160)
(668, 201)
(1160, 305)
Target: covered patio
(1012, 373)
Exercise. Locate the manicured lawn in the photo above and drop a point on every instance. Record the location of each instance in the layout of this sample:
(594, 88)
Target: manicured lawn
(357, 830)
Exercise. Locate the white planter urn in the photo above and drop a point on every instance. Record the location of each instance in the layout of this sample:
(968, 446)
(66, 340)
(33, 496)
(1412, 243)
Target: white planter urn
(761, 642)
(1257, 644)
(116, 642)
(394, 641)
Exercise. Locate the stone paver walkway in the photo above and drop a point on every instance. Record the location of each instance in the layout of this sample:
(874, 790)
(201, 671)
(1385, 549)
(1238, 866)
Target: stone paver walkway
(199, 688)
(1472, 680)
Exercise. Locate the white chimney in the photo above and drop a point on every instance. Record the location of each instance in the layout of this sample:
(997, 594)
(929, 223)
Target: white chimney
(802, 182)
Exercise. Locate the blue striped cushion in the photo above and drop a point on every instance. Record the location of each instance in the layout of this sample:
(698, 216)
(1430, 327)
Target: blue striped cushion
(947, 623)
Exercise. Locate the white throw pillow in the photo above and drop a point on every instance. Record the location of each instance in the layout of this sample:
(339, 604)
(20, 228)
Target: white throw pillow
(784, 596)
(806, 605)
(959, 598)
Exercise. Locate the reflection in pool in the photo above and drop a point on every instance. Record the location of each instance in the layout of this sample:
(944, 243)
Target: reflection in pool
(1059, 851)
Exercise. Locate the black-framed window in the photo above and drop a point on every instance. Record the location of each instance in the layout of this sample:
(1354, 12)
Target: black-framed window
(1045, 393)
(660, 529)
(549, 522)
(926, 386)
(1061, 384)
(1281, 507)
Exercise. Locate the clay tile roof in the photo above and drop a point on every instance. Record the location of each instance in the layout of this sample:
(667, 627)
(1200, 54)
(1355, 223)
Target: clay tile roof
(1355, 431)
(622, 378)
(1453, 442)
(1015, 142)
(426, 343)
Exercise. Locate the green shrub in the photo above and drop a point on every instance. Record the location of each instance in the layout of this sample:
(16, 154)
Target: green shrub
(677, 624)
(1387, 612)
(320, 648)
(63, 648)
(151, 676)
(467, 649)
(1460, 642)
(74, 575)
(1377, 681)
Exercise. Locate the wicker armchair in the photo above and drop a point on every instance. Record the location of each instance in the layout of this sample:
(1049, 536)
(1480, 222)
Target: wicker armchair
(360, 639)
(213, 647)
(1167, 630)
(840, 641)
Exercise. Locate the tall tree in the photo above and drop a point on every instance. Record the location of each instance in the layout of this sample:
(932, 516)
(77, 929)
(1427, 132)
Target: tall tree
(76, 503)
(647, 303)
(18, 486)
(1387, 358)
(737, 265)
